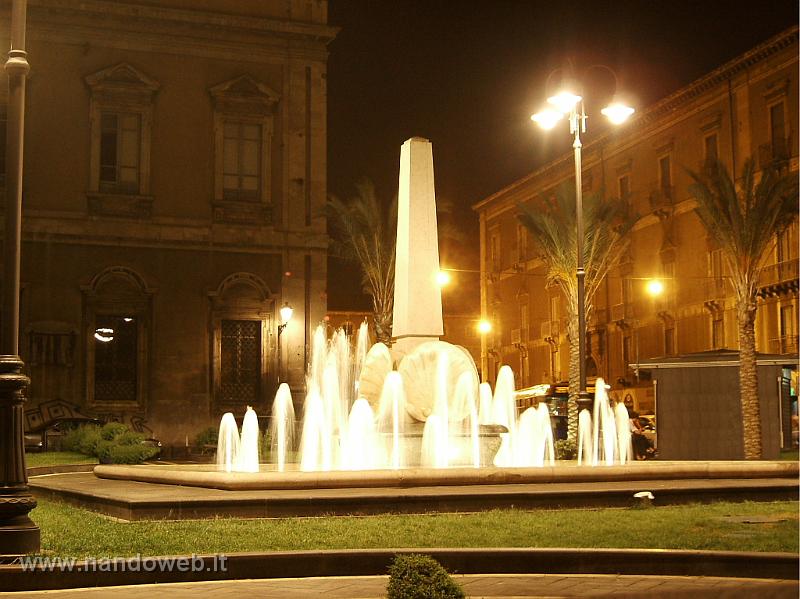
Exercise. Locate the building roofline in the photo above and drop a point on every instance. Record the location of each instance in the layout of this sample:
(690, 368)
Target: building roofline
(668, 104)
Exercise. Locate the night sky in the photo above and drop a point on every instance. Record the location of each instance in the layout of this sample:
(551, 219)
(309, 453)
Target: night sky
(467, 75)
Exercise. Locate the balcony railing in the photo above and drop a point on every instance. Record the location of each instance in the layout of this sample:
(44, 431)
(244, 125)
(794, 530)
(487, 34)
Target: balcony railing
(775, 274)
(549, 329)
(784, 345)
(662, 196)
(715, 288)
(775, 153)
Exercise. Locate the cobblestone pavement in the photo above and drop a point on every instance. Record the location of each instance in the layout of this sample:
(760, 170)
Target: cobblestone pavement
(475, 585)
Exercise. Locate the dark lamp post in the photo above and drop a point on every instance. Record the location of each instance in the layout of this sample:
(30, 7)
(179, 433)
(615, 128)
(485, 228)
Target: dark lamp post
(18, 534)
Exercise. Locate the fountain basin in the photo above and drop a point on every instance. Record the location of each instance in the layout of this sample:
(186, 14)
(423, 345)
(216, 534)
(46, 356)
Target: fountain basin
(207, 476)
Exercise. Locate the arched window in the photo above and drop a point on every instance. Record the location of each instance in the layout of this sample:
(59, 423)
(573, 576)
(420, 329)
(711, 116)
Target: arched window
(117, 317)
(242, 310)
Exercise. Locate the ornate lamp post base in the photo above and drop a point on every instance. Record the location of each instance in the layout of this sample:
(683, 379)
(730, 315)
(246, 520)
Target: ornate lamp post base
(18, 534)
(584, 401)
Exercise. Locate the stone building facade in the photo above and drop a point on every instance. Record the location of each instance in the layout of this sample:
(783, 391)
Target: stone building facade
(745, 108)
(174, 175)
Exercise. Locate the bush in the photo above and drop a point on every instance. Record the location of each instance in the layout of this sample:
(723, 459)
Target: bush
(420, 577)
(566, 449)
(103, 451)
(71, 439)
(207, 436)
(111, 430)
(88, 439)
(131, 454)
(129, 438)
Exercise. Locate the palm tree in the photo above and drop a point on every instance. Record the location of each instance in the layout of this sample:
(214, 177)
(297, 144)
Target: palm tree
(744, 222)
(365, 231)
(553, 227)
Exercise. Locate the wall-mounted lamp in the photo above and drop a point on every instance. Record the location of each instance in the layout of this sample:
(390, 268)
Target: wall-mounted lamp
(286, 312)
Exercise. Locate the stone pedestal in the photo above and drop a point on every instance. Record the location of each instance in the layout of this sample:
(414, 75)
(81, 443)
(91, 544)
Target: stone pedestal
(417, 314)
(18, 534)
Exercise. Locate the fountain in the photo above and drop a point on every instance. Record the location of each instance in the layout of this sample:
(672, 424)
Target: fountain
(373, 416)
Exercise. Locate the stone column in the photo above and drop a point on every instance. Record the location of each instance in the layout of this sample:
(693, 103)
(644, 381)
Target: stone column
(417, 296)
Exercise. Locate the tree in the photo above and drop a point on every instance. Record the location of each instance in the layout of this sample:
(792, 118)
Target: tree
(553, 228)
(365, 231)
(743, 221)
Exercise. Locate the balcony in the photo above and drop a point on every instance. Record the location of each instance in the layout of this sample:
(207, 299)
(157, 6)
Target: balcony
(662, 197)
(549, 329)
(784, 345)
(778, 279)
(775, 154)
(716, 288)
(621, 313)
(519, 336)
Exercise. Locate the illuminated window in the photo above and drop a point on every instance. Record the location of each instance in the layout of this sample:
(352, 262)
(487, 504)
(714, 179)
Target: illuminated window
(121, 117)
(244, 111)
(120, 142)
(241, 160)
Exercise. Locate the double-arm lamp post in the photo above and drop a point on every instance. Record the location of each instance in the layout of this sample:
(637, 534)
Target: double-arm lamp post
(568, 103)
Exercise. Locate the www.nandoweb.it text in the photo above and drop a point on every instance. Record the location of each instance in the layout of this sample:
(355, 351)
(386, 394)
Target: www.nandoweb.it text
(137, 563)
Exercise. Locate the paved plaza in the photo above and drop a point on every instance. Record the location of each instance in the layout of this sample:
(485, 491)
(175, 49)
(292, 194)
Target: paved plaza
(475, 585)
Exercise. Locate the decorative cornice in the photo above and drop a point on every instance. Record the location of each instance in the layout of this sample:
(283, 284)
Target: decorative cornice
(663, 108)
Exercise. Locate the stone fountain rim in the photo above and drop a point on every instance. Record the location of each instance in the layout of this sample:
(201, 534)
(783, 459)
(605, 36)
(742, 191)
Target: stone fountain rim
(426, 477)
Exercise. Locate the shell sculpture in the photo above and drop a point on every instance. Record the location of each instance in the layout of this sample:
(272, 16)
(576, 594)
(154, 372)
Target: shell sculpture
(420, 372)
(377, 364)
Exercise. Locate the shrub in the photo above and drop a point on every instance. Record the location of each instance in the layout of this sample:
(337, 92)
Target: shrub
(131, 454)
(129, 438)
(207, 436)
(111, 430)
(103, 450)
(566, 449)
(71, 439)
(420, 577)
(88, 439)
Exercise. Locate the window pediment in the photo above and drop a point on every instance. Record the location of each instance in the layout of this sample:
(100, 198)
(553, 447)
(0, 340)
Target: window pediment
(244, 95)
(122, 82)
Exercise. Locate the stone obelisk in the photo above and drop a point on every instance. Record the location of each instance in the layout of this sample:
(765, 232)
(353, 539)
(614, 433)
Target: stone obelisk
(417, 295)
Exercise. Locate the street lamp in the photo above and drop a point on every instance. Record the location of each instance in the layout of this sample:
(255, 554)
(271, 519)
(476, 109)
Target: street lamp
(568, 103)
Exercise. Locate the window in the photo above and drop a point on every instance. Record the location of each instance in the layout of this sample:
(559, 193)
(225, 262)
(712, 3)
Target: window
(244, 111)
(665, 176)
(777, 129)
(711, 146)
(121, 117)
(523, 322)
(242, 313)
(120, 141)
(554, 308)
(241, 161)
(494, 251)
(522, 243)
(624, 186)
(626, 351)
(240, 356)
(717, 332)
(669, 341)
(116, 342)
(118, 315)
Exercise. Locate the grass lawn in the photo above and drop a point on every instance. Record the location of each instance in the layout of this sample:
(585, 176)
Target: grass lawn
(57, 458)
(73, 532)
(789, 455)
